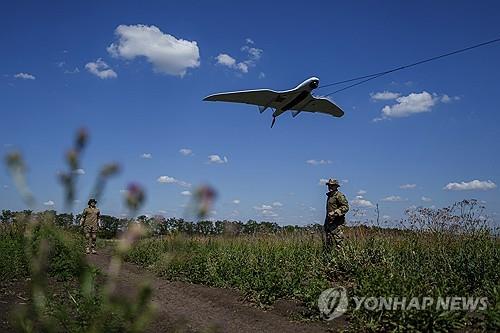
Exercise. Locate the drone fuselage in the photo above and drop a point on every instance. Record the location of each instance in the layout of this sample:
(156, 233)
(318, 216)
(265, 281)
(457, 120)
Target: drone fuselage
(295, 97)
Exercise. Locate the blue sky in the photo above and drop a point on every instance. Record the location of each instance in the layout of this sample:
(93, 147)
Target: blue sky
(135, 74)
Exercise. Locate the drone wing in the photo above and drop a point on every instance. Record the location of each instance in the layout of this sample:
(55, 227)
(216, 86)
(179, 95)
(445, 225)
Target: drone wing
(261, 97)
(321, 104)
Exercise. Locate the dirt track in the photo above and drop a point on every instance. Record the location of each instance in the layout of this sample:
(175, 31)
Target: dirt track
(200, 308)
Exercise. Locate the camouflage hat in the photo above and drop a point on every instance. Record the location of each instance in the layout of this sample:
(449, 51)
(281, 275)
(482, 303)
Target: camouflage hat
(332, 182)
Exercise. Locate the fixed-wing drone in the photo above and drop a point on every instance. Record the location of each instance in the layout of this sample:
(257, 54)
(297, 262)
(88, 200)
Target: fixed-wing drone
(296, 100)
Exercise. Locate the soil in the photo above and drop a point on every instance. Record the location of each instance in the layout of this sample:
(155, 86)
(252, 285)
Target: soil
(185, 307)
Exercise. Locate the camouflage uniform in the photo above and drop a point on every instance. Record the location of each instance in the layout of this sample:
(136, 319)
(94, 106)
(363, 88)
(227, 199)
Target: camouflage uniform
(336, 208)
(90, 220)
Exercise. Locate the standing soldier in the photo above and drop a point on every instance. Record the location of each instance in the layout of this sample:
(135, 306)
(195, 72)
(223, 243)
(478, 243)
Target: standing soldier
(336, 208)
(89, 221)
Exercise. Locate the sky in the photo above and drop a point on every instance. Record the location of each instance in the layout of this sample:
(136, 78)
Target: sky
(134, 75)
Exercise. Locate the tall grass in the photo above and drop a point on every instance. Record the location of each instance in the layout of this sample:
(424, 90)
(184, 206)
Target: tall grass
(371, 263)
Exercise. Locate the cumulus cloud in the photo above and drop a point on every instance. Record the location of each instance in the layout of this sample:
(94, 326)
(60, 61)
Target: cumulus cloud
(361, 192)
(277, 204)
(323, 181)
(426, 199)
(101, 69)
(79, 172)
(318, 162)
(266, 210)
(186, 151)
(408, 186)
(166, 53)
(186, 193)
(24, 76)
(147, 156)
(393, 198)
(236, 201)
(172, 180)
(263, 208)
(226, 60)
(384, 96)
(252, 55)
(408, 105)
(217, 159)
(482, 185)
(360, 202)
(76, 70)
(49, 203)
(448, 99)
(411, 104)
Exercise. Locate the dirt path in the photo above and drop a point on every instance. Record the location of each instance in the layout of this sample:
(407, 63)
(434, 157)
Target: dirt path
(200, 308)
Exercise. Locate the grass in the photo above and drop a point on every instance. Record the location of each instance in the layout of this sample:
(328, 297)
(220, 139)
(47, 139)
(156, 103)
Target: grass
(373, 262)
(65, 293)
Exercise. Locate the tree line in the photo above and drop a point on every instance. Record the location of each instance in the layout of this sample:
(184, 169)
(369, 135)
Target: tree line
(111, 226)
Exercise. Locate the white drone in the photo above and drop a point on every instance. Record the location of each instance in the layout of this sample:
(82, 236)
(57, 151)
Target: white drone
(296, 100)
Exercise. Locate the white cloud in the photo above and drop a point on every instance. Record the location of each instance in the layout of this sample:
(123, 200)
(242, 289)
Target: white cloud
(172, 180)
(226, 60)
(362, 203)
(386, 217)
(393, 198)
(318, 162)
(252, 55)
(408, 105)
(24, 76)
(243, 67)
(147, 156)
(262, 75)
(426, 199)
(407, 186)
(323, 181)
(384, 96)
(253, 52)
(263, 207)
(472, 185)
(217, 159)
(79, 172)
(49, 203)
(186, 151)
(447, 99)
(5, 186)
(236, 201)
(277, 204)
(101, 69)
(76, 70)
(166, 53)
(186, 193)
(361, 192)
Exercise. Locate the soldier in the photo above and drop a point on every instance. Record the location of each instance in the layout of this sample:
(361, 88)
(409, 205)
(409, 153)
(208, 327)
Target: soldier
(336, 208)
(89, 221)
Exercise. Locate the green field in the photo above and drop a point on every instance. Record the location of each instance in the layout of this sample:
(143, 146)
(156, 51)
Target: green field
(373, 262)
